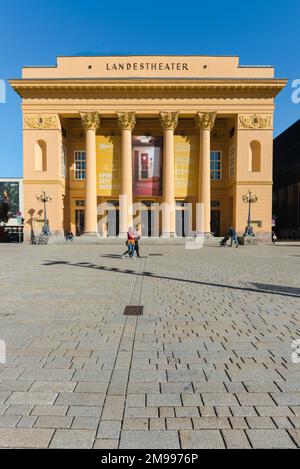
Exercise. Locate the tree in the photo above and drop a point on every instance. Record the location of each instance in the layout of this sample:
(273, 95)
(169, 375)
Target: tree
(4, 208)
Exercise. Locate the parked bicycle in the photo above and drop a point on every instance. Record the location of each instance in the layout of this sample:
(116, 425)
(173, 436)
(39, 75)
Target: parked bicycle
(40, 239)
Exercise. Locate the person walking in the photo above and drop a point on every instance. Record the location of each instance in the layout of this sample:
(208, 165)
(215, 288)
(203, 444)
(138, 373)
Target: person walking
(274, 237)
(137, 239)
(233, 236)
(130, 243)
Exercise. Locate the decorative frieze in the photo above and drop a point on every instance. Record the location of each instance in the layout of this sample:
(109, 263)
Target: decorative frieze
(90, 120)
(169, 120)
(255, 121)
(127, 120)
(41, 121)
(205, 120)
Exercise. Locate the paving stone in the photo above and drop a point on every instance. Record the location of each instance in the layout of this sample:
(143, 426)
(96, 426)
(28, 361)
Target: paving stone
(135, 400)
(183, 423)
(80, 399)
(207, 411)
(201, 439)
(142, 412)
(219, 399)
(113, 408)
(238, 423)
(223, 411)
(91, 386)
(255, 398)
(157, 400)
(4, 396)
(203, 423)
(14, 385)
(157, 424)
(26, 421)
(84, 411)
(9, 421)
(236, 439)
(34, 398)
(260, 386)
(287, 398)
(187, 412)
(85, 423)
(272, 411)
(54, 386)
(135, 424)
(295, 434)
(192, 400)
(109, 429)
(53, 421)
(243, 411)
(73, 439)
(284, 422)
(58, 410)
(25, 437)
(149, 440)
(260, 422)
(46, 374)
(270, 439)
(106, 444)
(18, 409)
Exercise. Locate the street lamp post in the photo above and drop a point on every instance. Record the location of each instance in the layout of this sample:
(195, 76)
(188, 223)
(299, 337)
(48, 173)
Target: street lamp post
(44, 198)
(249, 199)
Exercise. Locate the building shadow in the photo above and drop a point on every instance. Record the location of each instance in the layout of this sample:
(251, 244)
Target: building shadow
(278, 288)
(260, 288)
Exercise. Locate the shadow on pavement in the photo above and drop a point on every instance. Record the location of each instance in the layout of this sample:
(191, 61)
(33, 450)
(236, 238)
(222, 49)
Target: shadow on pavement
(260, 287)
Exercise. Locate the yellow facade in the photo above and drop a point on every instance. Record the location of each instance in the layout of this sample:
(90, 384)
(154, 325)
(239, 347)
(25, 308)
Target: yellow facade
(153, 128)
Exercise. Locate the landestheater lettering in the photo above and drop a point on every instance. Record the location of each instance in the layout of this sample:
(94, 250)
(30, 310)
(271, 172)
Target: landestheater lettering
(147, 66)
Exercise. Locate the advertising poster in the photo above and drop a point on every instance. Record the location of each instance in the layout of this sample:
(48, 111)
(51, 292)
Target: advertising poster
(10, 193)
(186, 165)
(147, 165)
(108, 165)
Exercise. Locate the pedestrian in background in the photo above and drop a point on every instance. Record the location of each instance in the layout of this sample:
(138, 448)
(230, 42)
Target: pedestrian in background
(233, 236)
(137, 239)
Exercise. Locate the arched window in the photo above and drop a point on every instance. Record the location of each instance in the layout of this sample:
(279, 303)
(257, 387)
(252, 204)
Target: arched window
(255, 156)
(40, 157)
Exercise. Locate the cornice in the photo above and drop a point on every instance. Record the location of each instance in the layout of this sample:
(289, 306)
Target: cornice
(27, 88)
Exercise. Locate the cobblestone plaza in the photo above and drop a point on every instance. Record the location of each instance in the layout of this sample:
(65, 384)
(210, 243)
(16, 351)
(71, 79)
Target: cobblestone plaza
(208, 364)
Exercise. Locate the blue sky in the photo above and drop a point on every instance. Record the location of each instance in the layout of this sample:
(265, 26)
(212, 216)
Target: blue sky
(36, 32)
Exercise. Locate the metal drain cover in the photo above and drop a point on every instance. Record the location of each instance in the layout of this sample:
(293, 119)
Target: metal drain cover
(133, 310)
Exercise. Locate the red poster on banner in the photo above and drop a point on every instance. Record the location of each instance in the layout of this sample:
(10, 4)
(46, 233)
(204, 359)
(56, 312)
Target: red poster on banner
(147, 165)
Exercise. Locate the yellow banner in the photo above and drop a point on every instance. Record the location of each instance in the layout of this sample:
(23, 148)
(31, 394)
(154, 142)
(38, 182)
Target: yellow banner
(108, 165)
(186, 165)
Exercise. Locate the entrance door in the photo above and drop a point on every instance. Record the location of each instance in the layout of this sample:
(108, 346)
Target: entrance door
(215, 222)
(183, 219)
(113, 218)
(147, 219)
(79, 220)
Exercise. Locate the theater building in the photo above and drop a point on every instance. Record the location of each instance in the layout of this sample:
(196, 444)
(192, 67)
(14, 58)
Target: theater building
(158, 130)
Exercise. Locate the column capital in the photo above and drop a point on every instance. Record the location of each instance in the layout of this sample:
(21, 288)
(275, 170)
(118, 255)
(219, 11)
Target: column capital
(205, 120)
(168, 120)
(126, 120)
(90, 120)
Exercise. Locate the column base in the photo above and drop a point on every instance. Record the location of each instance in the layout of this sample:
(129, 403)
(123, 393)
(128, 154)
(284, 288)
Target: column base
(205, 235)
(170, 234)
(91, 234)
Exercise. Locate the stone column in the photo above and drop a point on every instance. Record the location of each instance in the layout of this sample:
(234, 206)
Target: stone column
(205, 122)
(90, 122)
(169, 121)
(127, 122)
